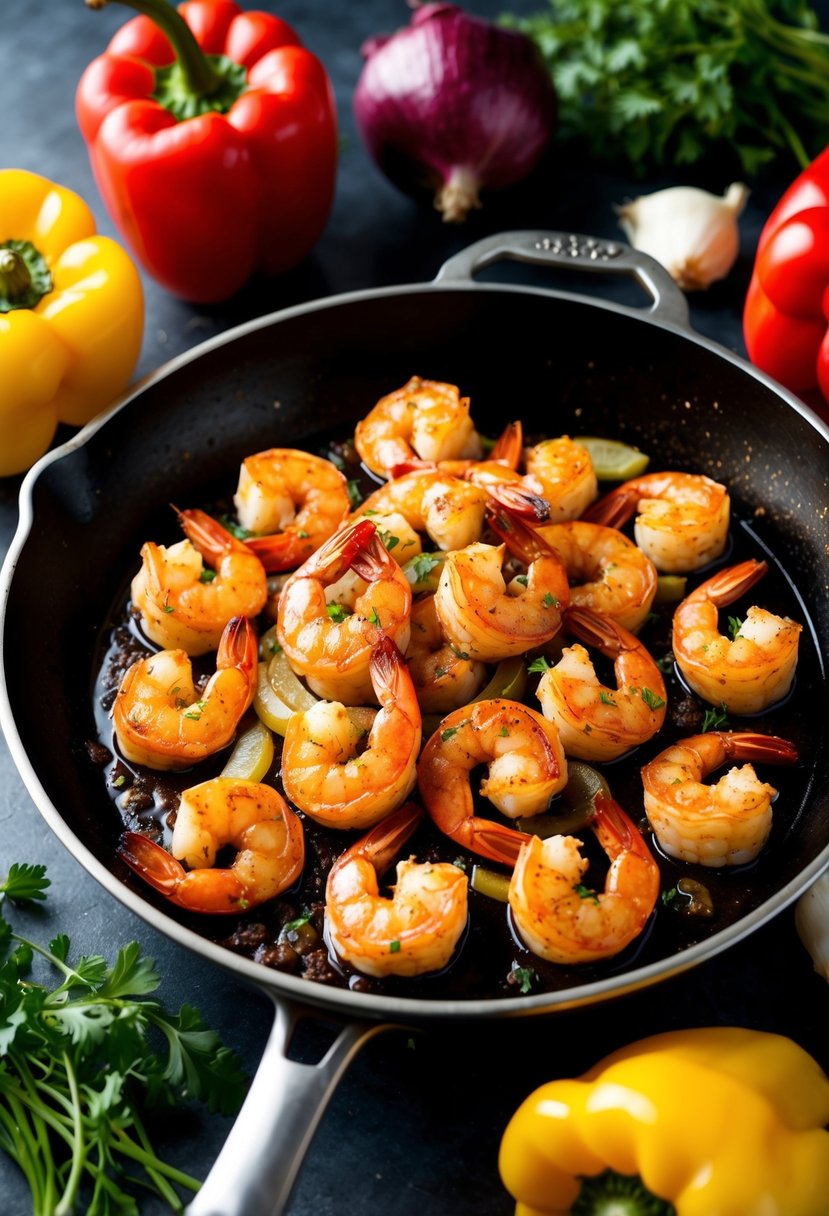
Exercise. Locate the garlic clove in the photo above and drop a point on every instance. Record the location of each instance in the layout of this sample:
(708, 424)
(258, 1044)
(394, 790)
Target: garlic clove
(812, 921)
(693, 233)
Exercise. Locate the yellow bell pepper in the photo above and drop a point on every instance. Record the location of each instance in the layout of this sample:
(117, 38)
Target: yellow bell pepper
(712, 1122)
(71, 316)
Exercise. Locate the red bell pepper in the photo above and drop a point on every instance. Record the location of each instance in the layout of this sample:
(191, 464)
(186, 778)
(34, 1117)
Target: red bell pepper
(786, 315)
(213, 140)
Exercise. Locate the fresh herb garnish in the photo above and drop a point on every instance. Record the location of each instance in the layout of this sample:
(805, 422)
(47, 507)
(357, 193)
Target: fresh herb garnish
(337, 612)
(662, 83)
(524, 977)
(735, 624)
(605, 699)
(585, 892)
(539, 664)
(84, 1053)
(652, 699)
(715, 719)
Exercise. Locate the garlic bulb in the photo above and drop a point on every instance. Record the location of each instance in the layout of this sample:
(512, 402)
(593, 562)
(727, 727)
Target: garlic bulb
(812, 921)
(692, 233)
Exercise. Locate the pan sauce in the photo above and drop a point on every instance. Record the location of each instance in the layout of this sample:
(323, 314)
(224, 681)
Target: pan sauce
(491, 961)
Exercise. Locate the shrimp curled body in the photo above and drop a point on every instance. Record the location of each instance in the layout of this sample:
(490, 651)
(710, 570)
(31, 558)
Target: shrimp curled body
(162, 722)
(179, 609)
(341, 776)
(414, 932)
(725, 824)
(561, 920)
(252, 818)
(749, 672)
(329, 644)
(294, 500)
(424, 418)
(595, 722)
(526, 767)
(681, 518)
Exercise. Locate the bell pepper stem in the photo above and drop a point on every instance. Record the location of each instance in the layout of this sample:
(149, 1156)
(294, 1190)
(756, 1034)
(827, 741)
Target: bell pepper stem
(201, 77)
(15, 280)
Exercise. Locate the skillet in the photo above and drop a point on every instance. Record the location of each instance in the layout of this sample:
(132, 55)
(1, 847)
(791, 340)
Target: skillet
(566, 362)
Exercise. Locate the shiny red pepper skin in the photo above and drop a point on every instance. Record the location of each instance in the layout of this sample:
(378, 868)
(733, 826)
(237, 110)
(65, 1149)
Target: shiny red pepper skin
(786, 315)
(207, 201)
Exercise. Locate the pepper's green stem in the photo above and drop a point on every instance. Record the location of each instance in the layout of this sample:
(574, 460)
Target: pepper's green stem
(25, 277)
(612, 1194)
(201, 76)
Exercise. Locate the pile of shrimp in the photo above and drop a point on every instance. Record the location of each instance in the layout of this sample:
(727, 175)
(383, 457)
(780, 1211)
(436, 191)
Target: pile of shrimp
(393, 616)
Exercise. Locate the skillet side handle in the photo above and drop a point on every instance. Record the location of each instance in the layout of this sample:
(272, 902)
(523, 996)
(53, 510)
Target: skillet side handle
(258, 1164)
(573, 251)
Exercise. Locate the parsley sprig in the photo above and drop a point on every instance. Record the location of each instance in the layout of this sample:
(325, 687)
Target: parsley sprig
(82, 1052)
(663, 81)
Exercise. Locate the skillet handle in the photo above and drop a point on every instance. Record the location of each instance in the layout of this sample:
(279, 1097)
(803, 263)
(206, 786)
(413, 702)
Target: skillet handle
(572, 251)
(258, 1164)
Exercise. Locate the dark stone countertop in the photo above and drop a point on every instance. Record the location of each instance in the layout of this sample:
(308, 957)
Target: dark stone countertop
(416, 1124)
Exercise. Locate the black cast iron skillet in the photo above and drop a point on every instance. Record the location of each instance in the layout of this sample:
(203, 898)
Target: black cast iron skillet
(568, 364)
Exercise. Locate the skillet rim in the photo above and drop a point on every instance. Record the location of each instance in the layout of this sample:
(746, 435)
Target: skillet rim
(303, 992)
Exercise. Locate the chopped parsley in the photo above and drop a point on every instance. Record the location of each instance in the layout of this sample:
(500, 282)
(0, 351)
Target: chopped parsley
(394, 947)
(207, 575)
(538, 665)
(715, 719)
(550, 601)
(337, 612)
(735, 624)
(606, 700)
(651, 699)
(524, 977)
(585, 892)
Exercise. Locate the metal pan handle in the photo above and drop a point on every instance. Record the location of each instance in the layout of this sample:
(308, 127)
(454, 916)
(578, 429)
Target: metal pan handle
(572, 251)
(258, 1164)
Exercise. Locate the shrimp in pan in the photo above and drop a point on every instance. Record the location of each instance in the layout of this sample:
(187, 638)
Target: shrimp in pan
(681, 518)
(448, 510)
(594, 722)
(254, 819)
(526, 767)
(414, 932)
(564, 473)
(748, 672)
(484, 618)
(348, 770)
(293, 500)
(443, 678)
(558, 917)
(180, 608)
(327, 627)
(162, 721)
(608, 574)
(725, 824)
(424, 418)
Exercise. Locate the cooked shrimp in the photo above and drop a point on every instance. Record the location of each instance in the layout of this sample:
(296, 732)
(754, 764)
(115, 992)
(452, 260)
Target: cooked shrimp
(180, 608)
(594, 722)
(424, 418)
(162, 721)
(329, 643)
(725, 824)
(294, 500)
(607, 572)
(342, 776)
(442, 677)
(747, 674)
(254, 819)
(564, 473)
(558, 918)
(526, 767)
(450, 511)
(415, 931)
(682, 520)
(481, 616)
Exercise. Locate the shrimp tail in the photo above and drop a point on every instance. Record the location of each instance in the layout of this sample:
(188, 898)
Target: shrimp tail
(601, 632)
(509, 445)
(209, 891)
(382, 844)
(728, 585)
(151, 862)
(522, 541)
(613, 510)
(746, 745)
(373, 560)
(614, 829)
(281, 551)
(238, 645)
(209, 536)
(492, 840)
(519, 502)
(337, 555)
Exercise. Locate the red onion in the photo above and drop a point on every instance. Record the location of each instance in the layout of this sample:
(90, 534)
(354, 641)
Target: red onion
(455, 104)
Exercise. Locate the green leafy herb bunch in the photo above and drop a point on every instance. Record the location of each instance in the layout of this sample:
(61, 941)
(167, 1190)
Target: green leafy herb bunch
(84, 1051)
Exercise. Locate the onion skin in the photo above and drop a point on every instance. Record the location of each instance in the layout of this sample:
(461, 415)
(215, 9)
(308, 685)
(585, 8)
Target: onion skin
(454, 104)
